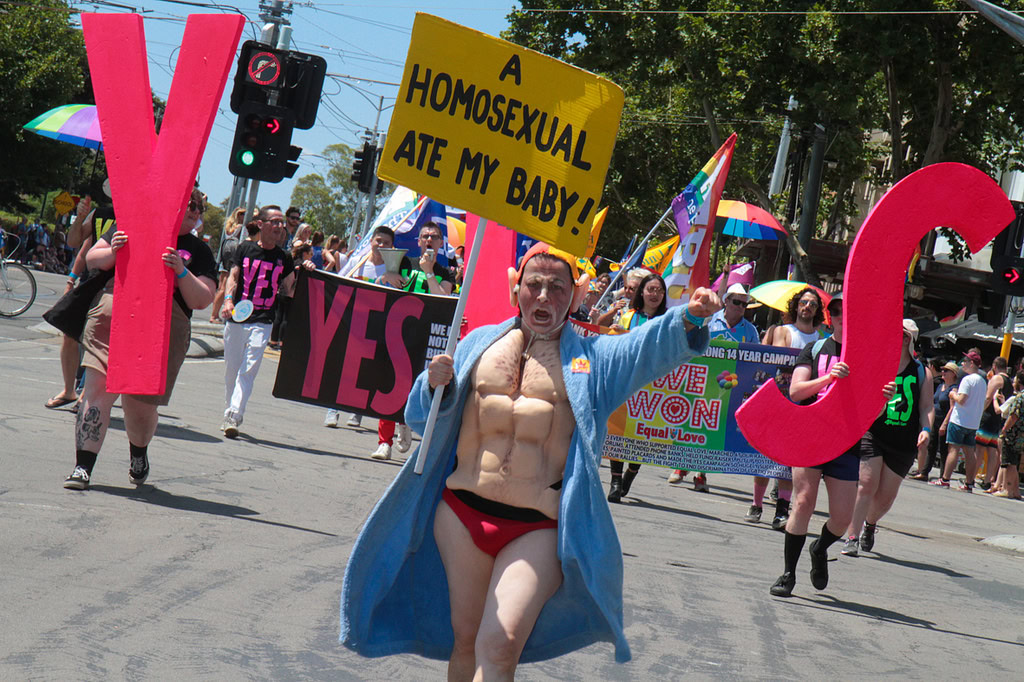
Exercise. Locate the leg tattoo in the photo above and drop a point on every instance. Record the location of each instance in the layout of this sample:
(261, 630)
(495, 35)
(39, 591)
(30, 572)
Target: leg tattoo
(88, 428)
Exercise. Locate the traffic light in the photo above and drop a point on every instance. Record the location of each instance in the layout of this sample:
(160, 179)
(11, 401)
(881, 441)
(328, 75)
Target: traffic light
(262, 147)
(364, 167)
(1007, 264)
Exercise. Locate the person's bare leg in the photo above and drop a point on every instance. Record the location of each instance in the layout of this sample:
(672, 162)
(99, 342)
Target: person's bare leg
(94, 412)
(527, 573)
(970, 464)
(867, 487)
(1011, 482)
(947, 471)
(805, 496)
(140, 420)
(467, 593)
(68, 367)
(888, 487)
(218, 298)
(992, 465)
(841, 497)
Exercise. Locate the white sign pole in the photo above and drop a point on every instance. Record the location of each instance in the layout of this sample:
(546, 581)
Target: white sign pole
(453, 338)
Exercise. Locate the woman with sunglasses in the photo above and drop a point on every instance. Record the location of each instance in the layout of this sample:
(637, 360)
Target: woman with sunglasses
(647, 303)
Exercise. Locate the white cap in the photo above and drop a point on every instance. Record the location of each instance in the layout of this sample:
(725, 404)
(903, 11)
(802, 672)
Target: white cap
(736, 289)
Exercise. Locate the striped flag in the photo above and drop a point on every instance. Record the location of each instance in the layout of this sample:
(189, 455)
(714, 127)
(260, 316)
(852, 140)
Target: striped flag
(695, 209)
(953, 319)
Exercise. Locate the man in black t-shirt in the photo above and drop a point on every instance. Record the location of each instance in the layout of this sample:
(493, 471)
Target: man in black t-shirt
(442, 283)
(261, 272)
(889, 448)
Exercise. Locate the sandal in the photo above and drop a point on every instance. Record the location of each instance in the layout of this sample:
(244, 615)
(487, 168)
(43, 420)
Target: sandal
(55, 402)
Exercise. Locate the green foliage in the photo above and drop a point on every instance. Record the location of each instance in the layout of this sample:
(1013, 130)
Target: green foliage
(327, 202)
(42, 59)
(946, 87)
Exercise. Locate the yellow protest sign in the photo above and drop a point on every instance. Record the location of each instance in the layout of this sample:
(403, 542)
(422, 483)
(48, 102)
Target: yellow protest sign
(512, 135)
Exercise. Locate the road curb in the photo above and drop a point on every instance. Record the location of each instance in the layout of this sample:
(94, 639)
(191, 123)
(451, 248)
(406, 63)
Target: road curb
(207, 339)
(1014, 543)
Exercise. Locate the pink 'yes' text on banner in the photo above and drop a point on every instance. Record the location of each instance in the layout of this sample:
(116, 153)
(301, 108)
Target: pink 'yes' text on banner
(151, 176)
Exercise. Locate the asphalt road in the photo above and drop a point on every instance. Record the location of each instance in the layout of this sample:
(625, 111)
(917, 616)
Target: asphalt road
(227, 564)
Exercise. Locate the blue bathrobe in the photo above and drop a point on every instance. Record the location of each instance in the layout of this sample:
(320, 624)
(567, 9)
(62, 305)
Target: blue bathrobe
(395, 594)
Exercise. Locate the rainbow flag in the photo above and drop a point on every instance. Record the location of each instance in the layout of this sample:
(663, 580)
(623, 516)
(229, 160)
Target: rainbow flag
(695, 209)
(953, 320)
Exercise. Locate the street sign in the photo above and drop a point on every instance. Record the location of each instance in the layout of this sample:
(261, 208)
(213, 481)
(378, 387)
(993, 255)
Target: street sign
(63, 203)
(504, 132)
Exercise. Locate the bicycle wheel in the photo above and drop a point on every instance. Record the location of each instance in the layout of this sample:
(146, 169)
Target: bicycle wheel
(17, 289)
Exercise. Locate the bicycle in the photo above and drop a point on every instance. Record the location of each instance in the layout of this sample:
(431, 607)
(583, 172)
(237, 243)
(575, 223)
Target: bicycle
(17, 284)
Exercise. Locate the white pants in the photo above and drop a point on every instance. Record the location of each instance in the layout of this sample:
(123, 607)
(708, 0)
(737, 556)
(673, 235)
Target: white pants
(243, 353)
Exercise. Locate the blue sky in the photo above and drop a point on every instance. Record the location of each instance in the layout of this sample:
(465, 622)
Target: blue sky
(362, 41)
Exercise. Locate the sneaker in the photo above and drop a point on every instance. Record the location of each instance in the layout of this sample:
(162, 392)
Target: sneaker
(754, 515)
(700, 483)
(851, 547)
(229, 427)
(783, 587)
(404, 438)
(965, 487)
(138, 470)
(332, 418)
(355, 420)
(78, 480)
(781, 515)
(819, 567)
(985, 486)
(941, 482)
(383, 451)
(676, 476)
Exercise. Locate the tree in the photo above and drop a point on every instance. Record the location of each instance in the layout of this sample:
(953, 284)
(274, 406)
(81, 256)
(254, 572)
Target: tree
(42, 59)
(945, 86)
(328, 202)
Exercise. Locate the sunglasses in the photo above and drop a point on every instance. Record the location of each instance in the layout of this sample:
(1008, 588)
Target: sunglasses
(808, 302)
(194, 205)
(738, 303)
(294, 217)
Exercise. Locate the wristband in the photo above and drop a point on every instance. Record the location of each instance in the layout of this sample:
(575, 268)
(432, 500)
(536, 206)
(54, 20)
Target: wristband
(926, 429)
(229, 297)
(72, 276)
(693, 319)
(183, 273)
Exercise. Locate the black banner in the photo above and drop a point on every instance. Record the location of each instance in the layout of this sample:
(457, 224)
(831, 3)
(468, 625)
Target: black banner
(358, 346)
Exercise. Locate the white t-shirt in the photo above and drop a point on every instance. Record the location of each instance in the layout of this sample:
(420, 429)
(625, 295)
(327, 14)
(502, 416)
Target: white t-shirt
(369, 271)
(968, 415)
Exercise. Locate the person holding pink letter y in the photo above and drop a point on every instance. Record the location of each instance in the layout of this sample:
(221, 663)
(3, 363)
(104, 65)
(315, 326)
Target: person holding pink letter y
(149, 174)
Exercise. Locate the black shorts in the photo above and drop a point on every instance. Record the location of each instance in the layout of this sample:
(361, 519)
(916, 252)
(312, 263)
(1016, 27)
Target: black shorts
(845, 467)
(899, 460)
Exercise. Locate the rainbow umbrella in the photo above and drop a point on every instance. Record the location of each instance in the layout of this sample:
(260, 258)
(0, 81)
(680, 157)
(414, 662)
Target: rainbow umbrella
(739, 219)
(777, 294)
(74, 123)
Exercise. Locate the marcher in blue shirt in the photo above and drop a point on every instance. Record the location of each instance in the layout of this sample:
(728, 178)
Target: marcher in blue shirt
(729, 322)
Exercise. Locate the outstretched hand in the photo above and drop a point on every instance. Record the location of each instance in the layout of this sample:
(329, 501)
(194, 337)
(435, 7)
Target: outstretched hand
(704, 302)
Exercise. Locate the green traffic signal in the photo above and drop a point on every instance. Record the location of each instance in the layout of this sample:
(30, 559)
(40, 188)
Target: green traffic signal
(247, 157)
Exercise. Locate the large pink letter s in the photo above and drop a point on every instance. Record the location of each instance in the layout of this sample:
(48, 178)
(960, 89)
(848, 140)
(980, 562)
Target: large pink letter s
(945, 194)
(151, 176)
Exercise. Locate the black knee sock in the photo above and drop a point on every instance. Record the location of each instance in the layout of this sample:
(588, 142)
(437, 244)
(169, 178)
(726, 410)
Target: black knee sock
(86, 459)
(794, 545)
(137, 451)
(616, 466)
(826, 540)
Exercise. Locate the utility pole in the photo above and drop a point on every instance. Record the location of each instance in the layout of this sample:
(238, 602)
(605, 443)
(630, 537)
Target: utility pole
(371, 199)
(273, 12)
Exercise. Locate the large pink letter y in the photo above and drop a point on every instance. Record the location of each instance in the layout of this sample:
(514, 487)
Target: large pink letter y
(151, 176)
